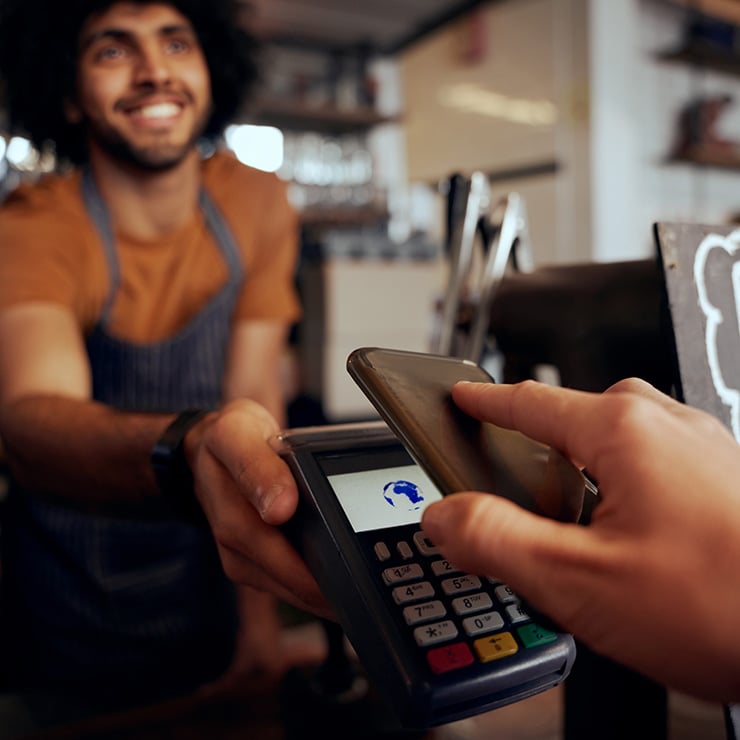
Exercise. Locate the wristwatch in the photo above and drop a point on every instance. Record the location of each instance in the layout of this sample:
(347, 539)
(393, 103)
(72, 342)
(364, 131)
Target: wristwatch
(171, 468)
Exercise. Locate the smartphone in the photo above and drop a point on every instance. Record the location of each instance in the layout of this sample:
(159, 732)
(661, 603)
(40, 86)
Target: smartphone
(412, 393)
(439, 644)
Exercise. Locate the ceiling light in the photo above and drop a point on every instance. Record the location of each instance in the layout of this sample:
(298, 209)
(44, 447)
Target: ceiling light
(471, 98)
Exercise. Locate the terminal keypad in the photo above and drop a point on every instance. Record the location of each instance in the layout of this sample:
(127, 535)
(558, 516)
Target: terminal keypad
(458, 619)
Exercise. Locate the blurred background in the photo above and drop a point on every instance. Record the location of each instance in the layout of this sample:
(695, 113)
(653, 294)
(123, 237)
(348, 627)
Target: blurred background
(604, 116)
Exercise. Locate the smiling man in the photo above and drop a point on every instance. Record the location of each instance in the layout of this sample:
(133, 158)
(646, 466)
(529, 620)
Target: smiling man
(145, 298)
(143, 86)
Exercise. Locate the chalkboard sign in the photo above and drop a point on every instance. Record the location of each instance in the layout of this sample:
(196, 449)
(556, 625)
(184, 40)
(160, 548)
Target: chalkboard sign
(701, 268)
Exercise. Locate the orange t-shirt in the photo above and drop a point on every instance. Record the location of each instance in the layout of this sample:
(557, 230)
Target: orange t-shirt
(51, 251)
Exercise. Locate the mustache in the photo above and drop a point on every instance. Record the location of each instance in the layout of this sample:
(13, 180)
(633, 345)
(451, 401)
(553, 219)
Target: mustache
(153, 95)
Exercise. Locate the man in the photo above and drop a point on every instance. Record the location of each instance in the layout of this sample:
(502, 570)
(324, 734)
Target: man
(145, 282)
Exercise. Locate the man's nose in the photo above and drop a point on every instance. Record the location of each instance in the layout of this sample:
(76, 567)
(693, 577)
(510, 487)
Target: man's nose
(152, 66)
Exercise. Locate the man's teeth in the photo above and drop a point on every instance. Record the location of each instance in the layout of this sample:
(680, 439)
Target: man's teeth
(159, 110)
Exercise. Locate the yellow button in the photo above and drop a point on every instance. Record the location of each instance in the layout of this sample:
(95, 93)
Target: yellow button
(495, 646)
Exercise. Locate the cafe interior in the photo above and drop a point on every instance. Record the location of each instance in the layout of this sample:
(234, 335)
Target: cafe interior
(520, 183)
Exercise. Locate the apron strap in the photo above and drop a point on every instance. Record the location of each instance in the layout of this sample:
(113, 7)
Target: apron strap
(98, 212)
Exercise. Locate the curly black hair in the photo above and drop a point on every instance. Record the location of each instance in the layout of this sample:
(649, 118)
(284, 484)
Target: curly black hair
(38, 59)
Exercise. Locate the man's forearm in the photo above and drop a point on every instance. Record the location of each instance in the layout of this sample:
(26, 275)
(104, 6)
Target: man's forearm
(80, 451)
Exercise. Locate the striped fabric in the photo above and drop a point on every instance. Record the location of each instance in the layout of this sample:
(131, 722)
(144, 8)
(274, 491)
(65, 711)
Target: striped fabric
(139, 606)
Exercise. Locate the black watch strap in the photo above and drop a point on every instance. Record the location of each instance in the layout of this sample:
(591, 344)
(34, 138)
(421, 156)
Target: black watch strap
(171, 469)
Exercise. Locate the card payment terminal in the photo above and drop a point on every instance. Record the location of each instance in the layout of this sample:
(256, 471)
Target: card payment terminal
(438, 643)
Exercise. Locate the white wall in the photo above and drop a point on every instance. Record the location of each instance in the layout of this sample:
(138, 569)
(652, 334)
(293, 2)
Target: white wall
(636, 100)
(532, 52)
(617, 112)
(614, 130)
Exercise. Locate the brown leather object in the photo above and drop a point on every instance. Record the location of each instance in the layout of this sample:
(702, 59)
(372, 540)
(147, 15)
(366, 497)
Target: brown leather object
(596, 322)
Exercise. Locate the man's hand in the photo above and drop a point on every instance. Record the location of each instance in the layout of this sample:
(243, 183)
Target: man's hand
(654, 581)
(246, 492)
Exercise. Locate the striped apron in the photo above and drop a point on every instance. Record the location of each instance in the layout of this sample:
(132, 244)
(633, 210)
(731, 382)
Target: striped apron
(138, 604)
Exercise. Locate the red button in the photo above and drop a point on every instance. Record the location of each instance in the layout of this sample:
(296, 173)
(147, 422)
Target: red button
(450, 657)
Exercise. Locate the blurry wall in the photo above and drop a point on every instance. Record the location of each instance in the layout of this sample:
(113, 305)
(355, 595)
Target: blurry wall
(636, 102)
(505, 89)
(617, 106)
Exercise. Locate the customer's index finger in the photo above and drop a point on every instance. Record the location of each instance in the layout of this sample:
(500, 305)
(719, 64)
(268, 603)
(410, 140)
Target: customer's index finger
(555, 416)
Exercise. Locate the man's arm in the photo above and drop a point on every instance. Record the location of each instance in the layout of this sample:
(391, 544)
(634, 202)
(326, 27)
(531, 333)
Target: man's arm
(60, 443)
(57, 440)
(255, 358)
(254, 370)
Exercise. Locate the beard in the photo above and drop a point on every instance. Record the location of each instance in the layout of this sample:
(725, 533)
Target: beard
(148, 158)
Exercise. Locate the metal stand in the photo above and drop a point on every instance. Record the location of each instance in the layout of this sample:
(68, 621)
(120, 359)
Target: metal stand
(467, 201)
(503, 239)
(509, 244)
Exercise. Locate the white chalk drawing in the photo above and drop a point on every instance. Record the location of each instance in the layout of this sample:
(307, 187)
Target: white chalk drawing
(731, 244)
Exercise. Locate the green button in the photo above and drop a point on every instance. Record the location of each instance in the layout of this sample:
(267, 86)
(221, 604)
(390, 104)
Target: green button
(533, 635)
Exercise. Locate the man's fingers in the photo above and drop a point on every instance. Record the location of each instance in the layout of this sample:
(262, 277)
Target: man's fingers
(536, 409)
(545, 413)
(582, 425)
(643, 388)
(238, 439)
(301, 591)
(478, 528)
(487, 535)
(260, 555)
(246, 491)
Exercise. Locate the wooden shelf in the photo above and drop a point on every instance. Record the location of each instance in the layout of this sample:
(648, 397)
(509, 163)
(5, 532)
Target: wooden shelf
(343, 216)
(702, 158)
(723, 10)
(706, 56)
(324, 119)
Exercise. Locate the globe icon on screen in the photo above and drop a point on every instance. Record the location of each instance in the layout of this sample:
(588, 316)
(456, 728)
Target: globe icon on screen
(403, 495)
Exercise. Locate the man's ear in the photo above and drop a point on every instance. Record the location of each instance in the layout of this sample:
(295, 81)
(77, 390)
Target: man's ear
(72, 112)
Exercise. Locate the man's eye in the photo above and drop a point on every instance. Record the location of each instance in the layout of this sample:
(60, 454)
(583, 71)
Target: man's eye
(110, 53)
(178, 46)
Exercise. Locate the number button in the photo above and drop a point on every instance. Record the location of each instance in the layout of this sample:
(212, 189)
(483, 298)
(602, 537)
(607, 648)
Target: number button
(461, 585)
(483, 623)
(403, 573)
(443, 568)
(412, 592)
(424, 612)
(473, 603)
(505, 595)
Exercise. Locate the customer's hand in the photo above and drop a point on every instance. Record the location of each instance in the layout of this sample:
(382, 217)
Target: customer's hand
(654, 581)
(246, 491)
